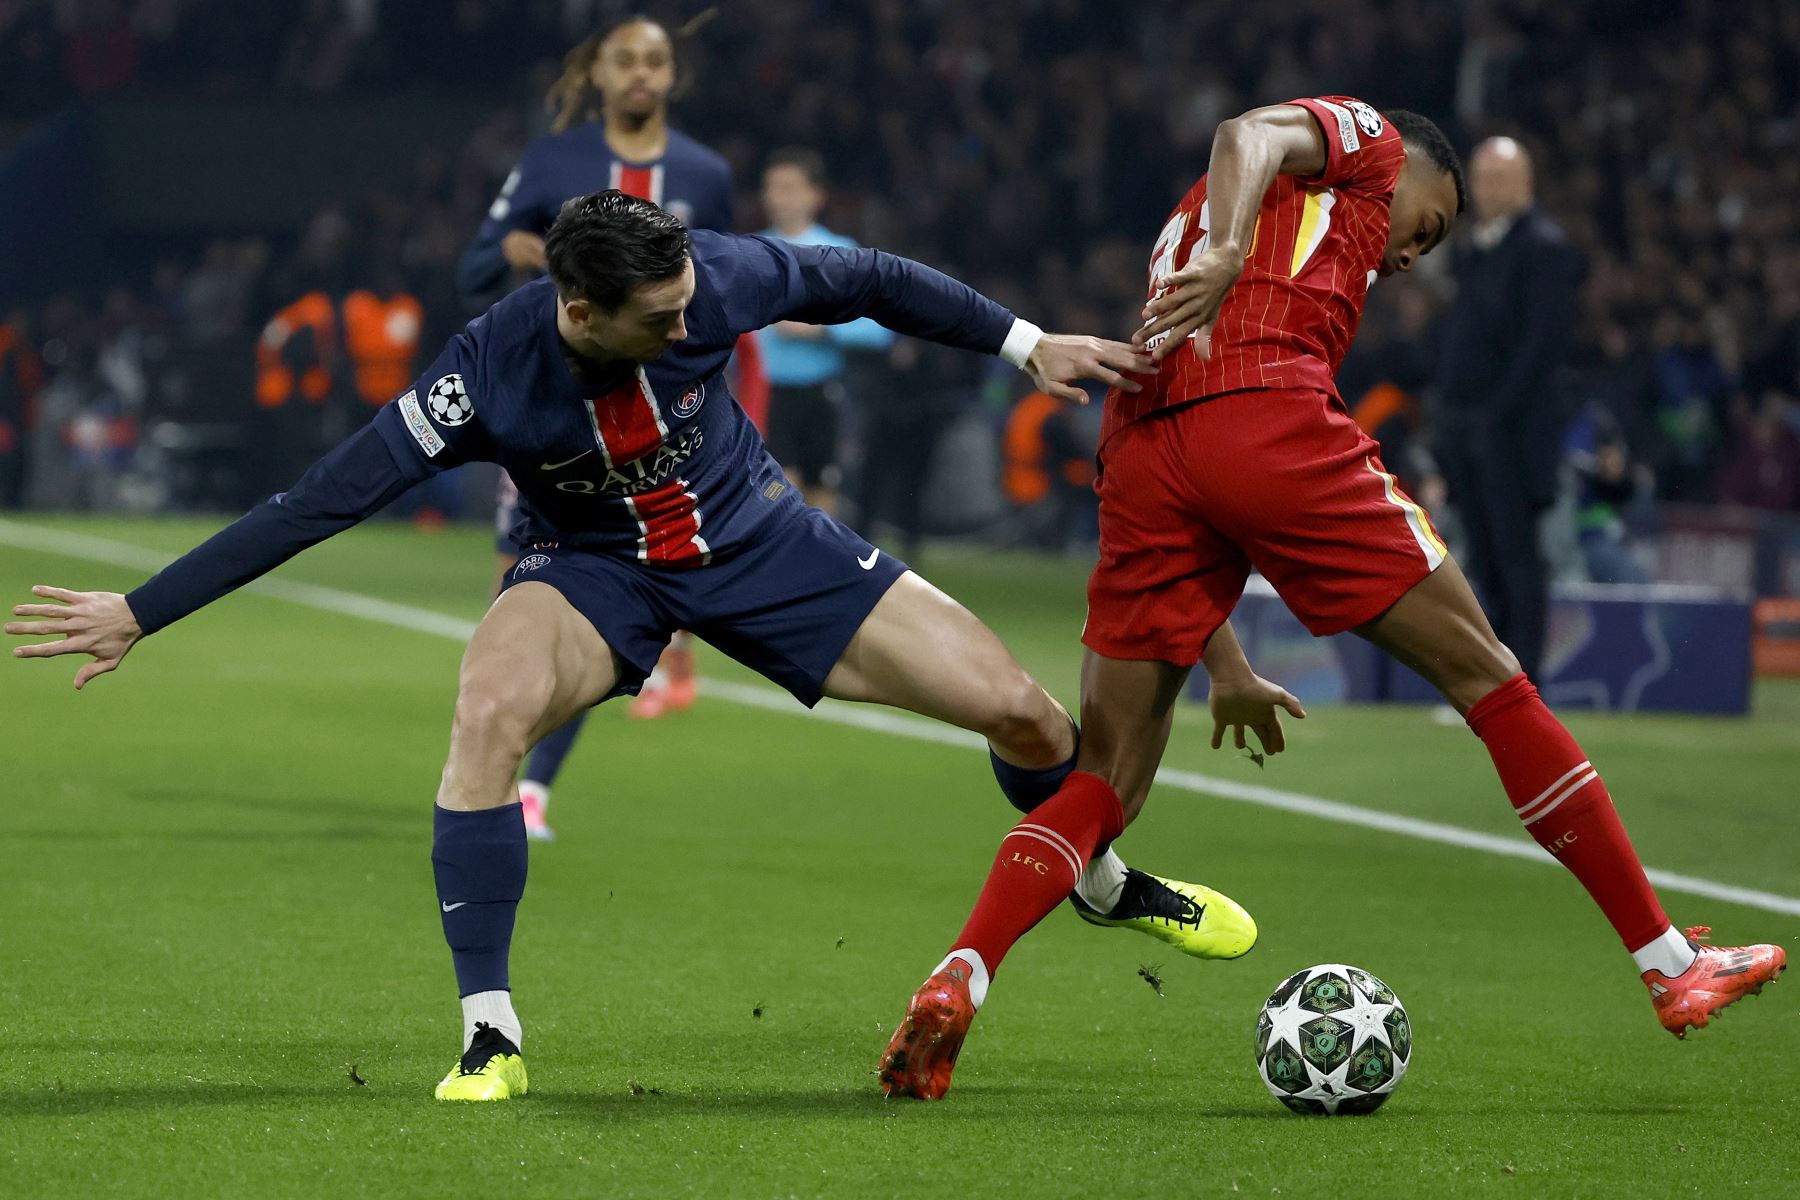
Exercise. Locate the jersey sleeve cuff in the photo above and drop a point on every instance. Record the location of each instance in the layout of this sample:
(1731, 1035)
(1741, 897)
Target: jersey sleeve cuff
(1020, 341)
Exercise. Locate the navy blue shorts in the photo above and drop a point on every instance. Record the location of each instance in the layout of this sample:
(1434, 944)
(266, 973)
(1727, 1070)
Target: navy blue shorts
(785, 606)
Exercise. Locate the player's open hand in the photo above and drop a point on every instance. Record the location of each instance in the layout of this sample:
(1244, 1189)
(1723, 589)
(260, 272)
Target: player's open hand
(1252, 703)
(99, 624)
(1187, 302)
(1061, 358)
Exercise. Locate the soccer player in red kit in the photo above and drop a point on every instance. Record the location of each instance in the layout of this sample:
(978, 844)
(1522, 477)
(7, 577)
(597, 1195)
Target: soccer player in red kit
(1242, 456)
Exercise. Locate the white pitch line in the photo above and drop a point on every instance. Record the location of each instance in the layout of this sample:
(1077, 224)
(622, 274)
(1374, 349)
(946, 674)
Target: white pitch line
(880, 720)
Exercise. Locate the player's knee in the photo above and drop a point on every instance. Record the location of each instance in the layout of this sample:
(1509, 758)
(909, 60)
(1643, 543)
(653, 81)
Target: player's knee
(1483, 664)
(1021, 717)
(500, 711)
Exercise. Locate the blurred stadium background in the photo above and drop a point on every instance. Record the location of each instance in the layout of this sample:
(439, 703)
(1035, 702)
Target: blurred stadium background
(176, 174)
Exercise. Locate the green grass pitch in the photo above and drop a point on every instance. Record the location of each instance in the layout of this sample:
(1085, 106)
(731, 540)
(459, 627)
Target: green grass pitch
(217, 906)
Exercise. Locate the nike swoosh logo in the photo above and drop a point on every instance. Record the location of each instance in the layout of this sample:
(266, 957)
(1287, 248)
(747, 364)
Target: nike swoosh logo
(868, 563)
(565, 462)
(453, 907)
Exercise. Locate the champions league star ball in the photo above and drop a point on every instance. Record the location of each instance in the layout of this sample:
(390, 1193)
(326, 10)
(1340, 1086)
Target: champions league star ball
(449, 401)
(1333, 1040)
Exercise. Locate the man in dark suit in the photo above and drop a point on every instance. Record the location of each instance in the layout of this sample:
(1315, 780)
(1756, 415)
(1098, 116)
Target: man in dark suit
(1500, 409)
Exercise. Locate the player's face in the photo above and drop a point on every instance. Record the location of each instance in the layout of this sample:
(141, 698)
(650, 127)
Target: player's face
(789, 197)
(635, 69)
(644, 327)
(1423, 209)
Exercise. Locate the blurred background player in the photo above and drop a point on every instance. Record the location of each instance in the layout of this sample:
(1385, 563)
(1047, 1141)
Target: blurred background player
(609, 129)
(805, 363)
(1502, 406)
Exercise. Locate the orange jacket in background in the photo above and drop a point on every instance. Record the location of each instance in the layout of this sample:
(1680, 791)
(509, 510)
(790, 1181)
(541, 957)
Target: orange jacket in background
(1026, 474)
(381, 338)
(275, 383)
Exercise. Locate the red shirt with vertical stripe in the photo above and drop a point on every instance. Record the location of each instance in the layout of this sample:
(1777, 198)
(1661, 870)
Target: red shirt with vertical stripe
(1318, 243)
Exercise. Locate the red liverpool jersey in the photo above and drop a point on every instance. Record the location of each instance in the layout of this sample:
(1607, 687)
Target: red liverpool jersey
(1288, 320)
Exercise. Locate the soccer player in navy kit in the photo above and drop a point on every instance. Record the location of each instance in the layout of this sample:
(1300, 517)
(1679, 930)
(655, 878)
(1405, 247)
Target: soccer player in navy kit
(610, 129)
(649, 504)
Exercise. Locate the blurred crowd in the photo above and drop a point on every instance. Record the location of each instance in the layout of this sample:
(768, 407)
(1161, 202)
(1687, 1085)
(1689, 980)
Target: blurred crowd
(1033, 146)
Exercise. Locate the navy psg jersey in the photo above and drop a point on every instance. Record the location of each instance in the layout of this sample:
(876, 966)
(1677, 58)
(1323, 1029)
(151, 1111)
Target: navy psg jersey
(652, 461)
(655, 464)
(690, 181)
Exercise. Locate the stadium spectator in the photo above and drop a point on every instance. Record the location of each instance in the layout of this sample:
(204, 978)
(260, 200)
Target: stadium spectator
(1501, 410)
(21, 376)
(1764, 472)
(1607, 482)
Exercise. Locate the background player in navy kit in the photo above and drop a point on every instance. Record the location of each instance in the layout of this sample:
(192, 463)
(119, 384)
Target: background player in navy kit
(609, 129)
(649, 504)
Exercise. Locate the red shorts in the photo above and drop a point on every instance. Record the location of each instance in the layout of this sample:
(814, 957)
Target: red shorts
(1281, 481)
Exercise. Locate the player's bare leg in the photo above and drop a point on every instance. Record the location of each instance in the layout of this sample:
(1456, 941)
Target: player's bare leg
(921, 651)
(533, 663)
(1438, 629)
(1127, 712)
(534, 795)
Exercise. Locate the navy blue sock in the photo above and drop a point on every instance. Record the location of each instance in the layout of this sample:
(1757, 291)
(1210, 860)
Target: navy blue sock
(1025, 787)
(547, 759)
(479, 861)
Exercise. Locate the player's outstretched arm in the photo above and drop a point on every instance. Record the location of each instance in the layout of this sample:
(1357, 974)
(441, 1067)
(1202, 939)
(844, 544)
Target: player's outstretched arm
(1248, 152)
(1241, 699)
(98, 624)
(774, 281)
(350, 483)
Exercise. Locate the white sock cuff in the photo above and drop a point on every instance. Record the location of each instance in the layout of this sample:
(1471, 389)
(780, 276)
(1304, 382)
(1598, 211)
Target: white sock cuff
(978, 973)
(1671, 954)
(491, 1008)
(1102, 882)
(537, 791)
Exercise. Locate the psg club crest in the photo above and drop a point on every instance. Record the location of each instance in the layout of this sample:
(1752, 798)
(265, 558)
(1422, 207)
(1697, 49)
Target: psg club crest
(531, 562)
(449, 401)
(689, 402)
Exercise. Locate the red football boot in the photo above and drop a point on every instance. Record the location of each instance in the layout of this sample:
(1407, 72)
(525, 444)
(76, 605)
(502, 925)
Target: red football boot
(1721, 975)
(919, 1060)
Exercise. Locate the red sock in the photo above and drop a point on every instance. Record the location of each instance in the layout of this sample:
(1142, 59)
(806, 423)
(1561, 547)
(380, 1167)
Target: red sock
(1039, 863)
(1565, 807)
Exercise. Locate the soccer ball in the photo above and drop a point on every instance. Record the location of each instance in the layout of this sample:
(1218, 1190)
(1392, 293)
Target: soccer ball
(1333, 1040)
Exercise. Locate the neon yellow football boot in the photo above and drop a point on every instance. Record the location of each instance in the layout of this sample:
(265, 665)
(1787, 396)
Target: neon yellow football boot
(491, 1069)
(1191, 917)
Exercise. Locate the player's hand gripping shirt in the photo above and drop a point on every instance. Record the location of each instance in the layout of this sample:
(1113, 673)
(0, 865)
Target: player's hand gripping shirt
(1318, 245)
(655, 464)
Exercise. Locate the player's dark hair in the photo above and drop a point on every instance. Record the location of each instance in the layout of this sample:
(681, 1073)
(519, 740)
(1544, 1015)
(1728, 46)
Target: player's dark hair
(1421, 133)
(573, 99)
(604, 245)
(805, 160)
